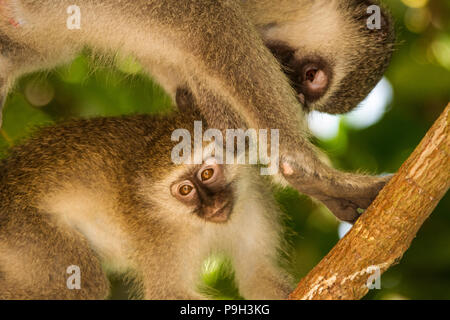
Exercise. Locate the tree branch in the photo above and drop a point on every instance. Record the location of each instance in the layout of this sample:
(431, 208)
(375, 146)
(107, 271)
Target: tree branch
(384, 232)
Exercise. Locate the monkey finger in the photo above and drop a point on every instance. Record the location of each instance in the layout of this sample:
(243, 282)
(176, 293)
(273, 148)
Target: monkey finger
(184, 99)
(343, 209)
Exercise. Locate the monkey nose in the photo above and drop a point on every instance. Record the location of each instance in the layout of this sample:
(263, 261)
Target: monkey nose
(217, 213)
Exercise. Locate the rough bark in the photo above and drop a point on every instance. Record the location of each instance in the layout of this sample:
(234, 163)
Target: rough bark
(384, 232)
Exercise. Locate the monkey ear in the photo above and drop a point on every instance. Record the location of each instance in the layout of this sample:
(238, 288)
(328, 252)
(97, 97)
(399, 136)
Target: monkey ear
(184, 100)
(187, 105)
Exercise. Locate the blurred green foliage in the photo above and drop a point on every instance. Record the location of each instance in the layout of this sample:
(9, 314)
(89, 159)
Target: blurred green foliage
(420, 77)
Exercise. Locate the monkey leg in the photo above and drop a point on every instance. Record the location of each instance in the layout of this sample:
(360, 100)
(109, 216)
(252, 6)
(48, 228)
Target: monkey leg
(168, 271)
(343, 193)
(42, 260)
(258, 275)
(216, 50)
(263, 99)
(262, 282)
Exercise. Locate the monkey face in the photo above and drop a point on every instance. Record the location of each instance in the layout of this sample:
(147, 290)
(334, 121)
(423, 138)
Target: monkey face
(330, 55)
(207, 192)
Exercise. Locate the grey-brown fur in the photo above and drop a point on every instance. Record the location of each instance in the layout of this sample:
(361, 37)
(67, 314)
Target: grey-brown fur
(214, 48)
(97, 192)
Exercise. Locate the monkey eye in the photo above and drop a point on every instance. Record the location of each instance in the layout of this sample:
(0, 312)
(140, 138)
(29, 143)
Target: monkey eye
(207, 174)
(210, 175)
(185, 189)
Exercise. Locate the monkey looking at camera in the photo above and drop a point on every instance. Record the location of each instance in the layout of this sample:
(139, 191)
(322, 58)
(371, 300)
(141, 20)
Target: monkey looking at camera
(217, 49)
(105, 192)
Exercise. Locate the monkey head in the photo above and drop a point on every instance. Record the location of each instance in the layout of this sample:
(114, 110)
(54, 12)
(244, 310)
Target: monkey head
(330, 54)
(187, 191)
(206, 192)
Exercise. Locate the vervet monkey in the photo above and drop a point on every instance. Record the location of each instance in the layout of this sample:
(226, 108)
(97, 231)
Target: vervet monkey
(105, 192)
(214, 48)
(330, 50)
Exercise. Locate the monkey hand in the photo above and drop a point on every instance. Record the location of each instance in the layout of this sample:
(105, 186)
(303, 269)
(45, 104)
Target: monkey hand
(345, 194)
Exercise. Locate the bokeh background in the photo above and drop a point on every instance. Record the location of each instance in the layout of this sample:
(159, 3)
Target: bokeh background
(375, 138)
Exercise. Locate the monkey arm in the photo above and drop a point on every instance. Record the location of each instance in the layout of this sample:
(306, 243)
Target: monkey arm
(219, 56)
(36, 256)
(256, 90)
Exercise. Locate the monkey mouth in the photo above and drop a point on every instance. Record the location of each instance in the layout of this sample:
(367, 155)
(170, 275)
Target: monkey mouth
(220, 215)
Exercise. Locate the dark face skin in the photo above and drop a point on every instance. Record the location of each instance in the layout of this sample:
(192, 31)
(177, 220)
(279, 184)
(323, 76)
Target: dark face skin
(310, 77)
(207, 192)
